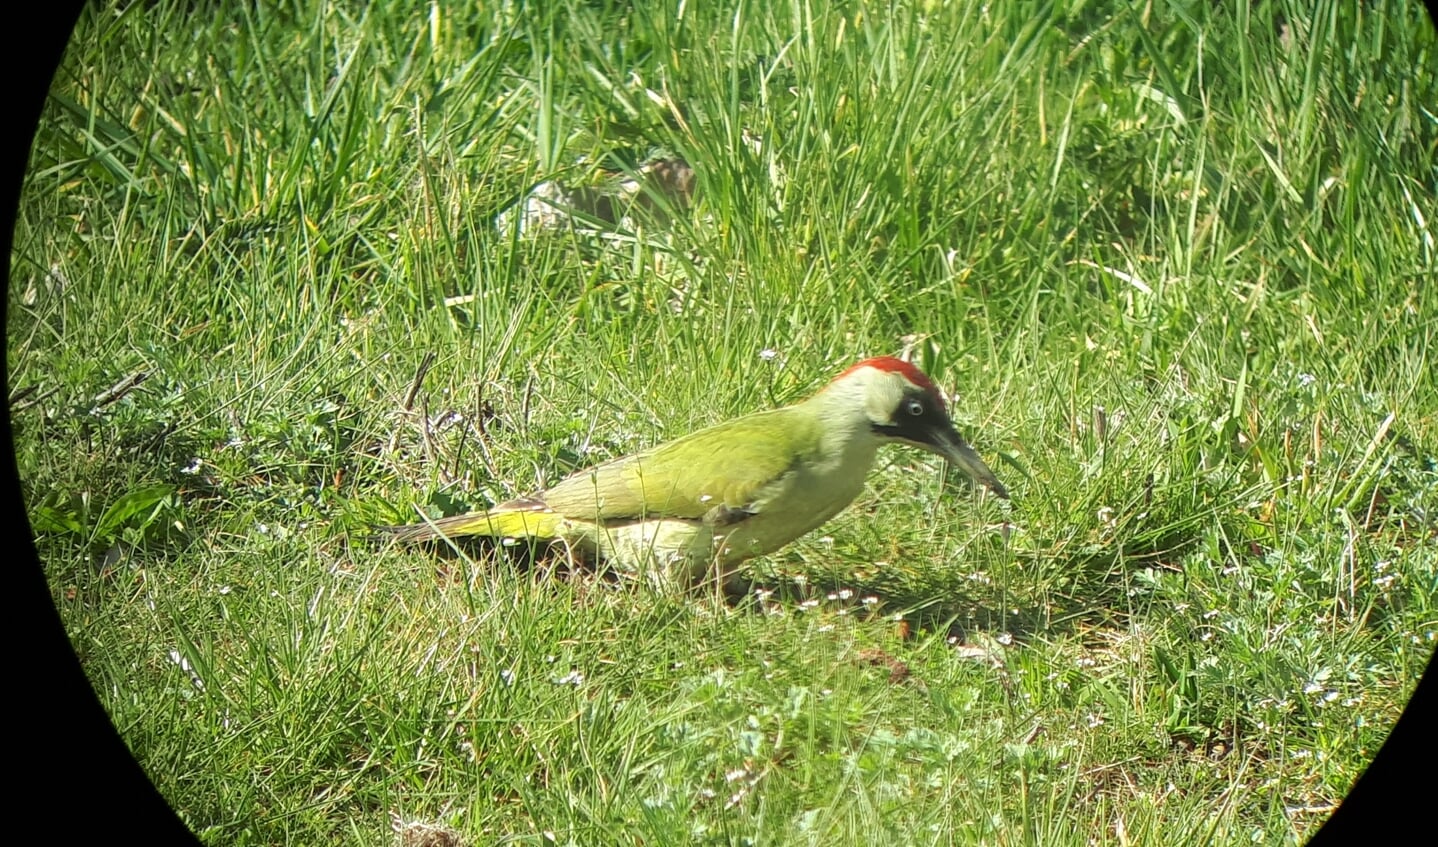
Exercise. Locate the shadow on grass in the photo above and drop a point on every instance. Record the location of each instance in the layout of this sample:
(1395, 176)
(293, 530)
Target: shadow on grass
(1096, 597)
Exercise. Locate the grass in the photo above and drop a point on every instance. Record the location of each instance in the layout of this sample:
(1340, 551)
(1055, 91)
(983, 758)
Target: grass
(1173, 260)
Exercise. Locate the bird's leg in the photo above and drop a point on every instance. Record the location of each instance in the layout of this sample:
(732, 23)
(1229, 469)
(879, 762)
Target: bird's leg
(723, 515)
(578, 558)
(736, 586)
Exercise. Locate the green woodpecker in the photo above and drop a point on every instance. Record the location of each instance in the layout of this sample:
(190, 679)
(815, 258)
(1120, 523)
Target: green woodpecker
(694, 508)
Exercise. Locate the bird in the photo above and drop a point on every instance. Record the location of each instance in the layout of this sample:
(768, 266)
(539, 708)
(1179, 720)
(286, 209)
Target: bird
(691, 510)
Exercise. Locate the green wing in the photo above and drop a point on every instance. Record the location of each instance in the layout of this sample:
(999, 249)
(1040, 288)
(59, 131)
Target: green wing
(726, 467)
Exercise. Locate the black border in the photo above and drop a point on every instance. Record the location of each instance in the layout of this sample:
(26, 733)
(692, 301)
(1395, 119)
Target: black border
(78, 779)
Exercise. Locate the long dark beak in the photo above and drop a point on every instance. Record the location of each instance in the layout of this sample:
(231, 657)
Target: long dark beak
(946, 441)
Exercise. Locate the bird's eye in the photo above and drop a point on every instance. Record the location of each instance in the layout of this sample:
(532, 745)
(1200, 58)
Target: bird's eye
(913, 407)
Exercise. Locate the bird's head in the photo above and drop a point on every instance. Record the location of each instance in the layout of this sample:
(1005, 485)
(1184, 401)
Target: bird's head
(899, 403)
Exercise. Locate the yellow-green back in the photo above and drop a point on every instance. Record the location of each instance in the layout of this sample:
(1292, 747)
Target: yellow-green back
(727, 467)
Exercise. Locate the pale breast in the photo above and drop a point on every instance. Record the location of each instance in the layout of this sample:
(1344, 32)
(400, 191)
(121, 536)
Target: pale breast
(801, 502)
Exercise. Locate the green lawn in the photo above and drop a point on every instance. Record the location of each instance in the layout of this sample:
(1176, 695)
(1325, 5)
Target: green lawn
(1175, 262)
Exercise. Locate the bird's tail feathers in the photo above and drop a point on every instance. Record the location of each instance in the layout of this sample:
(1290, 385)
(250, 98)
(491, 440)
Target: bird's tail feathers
(515, 519)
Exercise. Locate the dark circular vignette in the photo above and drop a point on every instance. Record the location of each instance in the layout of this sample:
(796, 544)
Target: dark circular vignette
(1390, 798)
(77, 777)
(81, 778)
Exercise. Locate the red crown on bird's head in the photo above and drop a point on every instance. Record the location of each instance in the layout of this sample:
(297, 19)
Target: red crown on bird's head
(891, 364)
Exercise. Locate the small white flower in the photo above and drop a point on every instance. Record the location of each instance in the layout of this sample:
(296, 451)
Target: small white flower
(845, 594)
(507, 676)
(184, 665)
(768, 354)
